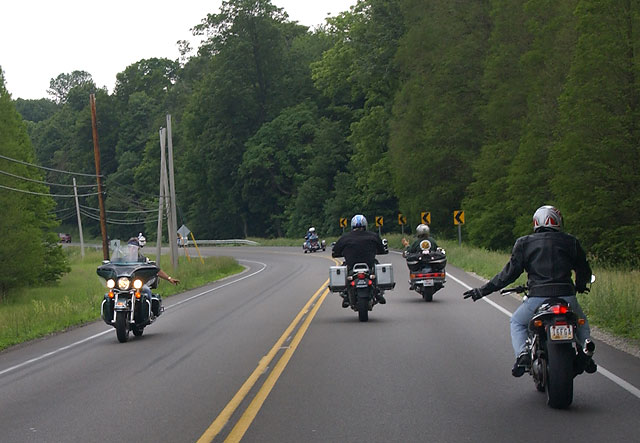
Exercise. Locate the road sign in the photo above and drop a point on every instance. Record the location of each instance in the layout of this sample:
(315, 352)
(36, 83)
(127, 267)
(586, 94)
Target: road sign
(402, 220)
(458, 217)
(425, 217)
(343, 222)
(379, 221)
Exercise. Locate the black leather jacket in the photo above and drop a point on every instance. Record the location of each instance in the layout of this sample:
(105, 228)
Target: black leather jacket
(359, 247)
(548, 257)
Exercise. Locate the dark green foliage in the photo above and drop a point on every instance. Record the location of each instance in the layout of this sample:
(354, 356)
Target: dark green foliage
(29, 252)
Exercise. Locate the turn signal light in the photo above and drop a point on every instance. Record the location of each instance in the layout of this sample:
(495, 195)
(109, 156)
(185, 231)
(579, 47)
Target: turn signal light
(137, 294)
(537, 323)
(581, 321)
(111, 294)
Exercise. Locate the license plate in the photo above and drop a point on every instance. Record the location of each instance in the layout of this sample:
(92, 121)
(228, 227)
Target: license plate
(562, 332)
(427, 282)
(361, 284)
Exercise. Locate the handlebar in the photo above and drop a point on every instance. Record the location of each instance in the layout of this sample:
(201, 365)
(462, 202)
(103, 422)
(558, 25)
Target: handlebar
(518, 290)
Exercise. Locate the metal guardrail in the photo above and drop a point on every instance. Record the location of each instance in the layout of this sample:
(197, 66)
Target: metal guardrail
(237, 241)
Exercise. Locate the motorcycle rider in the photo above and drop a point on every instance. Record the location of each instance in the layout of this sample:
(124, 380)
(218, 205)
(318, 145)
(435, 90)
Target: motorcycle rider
(360, 246)
(307, 237)
(135, 246)
(422, 233)
(548, 255)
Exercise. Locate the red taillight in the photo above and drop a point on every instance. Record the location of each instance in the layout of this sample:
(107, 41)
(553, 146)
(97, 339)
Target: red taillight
(370, 282)
(559, 309)
(360, 275)
(429, 275)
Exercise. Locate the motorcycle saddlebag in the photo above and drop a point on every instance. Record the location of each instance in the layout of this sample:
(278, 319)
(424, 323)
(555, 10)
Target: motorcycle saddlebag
(337, 278)
(384, 276)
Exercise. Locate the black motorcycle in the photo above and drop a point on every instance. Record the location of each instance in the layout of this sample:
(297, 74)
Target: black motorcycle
(426, 271)
(555, 355)
(360, 286)
(125, 306)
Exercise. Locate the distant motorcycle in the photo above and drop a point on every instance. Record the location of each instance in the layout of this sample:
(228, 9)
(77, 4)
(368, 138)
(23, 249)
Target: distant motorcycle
(313, 244)
(555, 355)
(125, 306)
(426, 271)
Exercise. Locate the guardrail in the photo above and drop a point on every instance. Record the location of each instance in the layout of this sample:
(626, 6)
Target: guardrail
(236, 241)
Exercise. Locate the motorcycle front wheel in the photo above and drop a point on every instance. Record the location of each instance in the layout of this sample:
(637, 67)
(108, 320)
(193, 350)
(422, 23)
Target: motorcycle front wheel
(559, 378)
(122, 326)
(137, 330)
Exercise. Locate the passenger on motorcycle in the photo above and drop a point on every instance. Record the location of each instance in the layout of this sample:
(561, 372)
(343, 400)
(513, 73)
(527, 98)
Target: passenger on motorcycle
(310, 233)
(360, 246)
(548, 255)
(135, 245)
(422, 234)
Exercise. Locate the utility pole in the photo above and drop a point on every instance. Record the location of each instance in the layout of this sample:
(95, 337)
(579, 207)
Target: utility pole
(75, 193)
(96, 155)
(162, 194)
(172, 189)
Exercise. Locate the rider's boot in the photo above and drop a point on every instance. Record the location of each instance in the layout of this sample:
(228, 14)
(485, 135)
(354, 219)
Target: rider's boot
(523, 362)
(380, 297)
(345, 299)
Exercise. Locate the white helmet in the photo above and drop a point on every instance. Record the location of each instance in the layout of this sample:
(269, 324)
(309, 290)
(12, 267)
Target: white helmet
(358, 222)
(547, 217)
(141, 240)
(312, 229)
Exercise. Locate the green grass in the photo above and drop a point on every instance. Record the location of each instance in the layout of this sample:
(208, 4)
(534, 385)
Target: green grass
(35, 312)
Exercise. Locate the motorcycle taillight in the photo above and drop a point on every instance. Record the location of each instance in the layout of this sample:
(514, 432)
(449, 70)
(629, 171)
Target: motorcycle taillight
(361, 275)
(559, 309)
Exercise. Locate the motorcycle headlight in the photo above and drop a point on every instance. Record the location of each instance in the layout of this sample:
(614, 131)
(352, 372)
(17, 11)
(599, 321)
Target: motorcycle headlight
(137, 284)
(111, 283)
(123, 283)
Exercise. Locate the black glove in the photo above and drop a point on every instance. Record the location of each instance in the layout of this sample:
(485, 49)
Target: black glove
(475, 294)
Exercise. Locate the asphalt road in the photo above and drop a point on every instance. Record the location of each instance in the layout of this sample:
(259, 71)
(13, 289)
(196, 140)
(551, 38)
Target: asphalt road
(269, 356)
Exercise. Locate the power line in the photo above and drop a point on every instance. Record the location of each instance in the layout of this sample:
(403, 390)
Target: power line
(118, 221)
(120, 212)
(45, 183)
(49, 169)
(47, 195)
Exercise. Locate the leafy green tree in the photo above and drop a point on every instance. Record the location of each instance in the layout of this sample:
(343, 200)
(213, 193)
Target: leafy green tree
(60, 86)
(596, 160)
(437, 129)
(29, 252)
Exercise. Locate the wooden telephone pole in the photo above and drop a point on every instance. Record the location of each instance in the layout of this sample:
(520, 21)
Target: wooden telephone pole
(96, 155)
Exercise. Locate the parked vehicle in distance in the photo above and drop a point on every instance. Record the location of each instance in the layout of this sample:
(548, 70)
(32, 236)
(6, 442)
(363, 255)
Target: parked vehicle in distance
(64, 238)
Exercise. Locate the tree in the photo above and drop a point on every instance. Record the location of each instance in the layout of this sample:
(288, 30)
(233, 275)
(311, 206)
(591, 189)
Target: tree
(29, 252)
(60, 86)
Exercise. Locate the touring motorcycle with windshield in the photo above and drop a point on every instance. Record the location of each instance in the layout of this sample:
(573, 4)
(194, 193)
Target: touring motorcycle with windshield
(426, 270)
(125, 305)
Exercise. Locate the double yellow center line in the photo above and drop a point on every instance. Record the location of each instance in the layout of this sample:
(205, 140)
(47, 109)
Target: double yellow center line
(307, 313)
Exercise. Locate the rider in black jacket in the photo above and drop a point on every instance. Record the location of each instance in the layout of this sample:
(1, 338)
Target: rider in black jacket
(548, 256)
(360, 246)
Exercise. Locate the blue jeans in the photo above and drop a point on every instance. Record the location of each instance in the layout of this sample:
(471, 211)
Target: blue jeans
(524, 313)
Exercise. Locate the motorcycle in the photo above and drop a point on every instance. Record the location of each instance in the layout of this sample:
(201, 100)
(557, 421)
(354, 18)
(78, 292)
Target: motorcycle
(426, 270)
(555, 355)
(125, 306)
(313, 244)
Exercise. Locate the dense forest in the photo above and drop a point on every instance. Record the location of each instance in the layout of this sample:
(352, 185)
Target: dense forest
(494, 107)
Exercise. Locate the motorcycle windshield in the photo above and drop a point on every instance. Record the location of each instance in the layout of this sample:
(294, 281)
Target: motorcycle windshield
(126, 261)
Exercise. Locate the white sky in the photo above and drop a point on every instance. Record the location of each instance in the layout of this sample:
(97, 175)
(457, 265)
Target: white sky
(40, 39)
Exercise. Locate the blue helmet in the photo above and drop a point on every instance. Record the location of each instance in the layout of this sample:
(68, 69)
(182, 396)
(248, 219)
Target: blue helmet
(358, 221)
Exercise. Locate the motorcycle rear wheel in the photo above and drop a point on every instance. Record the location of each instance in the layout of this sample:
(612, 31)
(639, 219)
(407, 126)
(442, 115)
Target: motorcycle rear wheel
(427, 293)
(363, 309)
(560, 375)
(122, 326)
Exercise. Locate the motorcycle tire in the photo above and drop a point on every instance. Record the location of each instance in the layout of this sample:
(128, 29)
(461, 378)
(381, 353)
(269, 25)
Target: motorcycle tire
(363, 309)
(137, 330)
(559, 378)
(427, 293)
(122, 326)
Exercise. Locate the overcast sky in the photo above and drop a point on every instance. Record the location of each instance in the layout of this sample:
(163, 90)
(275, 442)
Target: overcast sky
(40, 39)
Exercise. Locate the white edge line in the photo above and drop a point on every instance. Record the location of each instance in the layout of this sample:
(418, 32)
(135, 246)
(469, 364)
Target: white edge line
(84, 340)
(601, 370)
